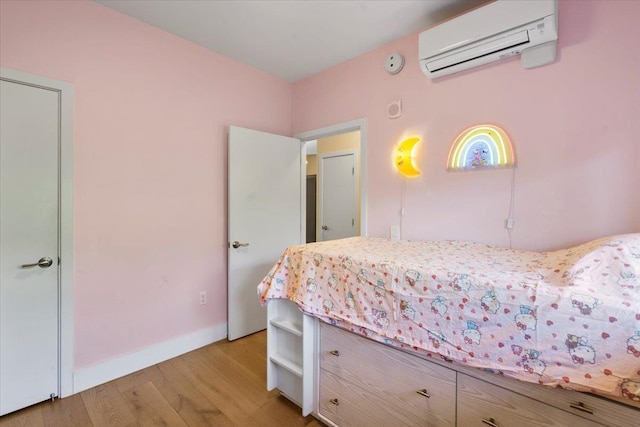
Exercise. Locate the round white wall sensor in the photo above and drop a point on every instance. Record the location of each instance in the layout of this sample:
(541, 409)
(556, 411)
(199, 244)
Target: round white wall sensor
(394, 63)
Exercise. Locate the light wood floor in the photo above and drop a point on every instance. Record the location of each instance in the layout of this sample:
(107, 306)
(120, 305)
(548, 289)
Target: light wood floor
(223, 384)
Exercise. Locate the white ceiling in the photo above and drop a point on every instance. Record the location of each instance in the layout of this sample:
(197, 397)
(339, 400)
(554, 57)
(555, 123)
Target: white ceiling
(291, 39)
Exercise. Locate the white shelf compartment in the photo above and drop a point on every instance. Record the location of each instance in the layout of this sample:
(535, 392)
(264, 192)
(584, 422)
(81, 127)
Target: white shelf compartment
(288, 364)
(291, 340)
(287, 325)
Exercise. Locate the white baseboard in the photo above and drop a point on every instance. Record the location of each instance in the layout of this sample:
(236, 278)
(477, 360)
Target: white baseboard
(92, 376)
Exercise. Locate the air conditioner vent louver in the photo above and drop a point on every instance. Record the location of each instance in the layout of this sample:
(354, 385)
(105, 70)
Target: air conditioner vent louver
(495, 31)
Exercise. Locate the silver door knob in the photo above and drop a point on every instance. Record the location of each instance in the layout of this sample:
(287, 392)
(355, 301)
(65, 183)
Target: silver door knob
(325, 227)
(45, 262)
(237, 244)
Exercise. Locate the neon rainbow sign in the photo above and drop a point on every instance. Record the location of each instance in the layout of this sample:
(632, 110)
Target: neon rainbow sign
(480, 147)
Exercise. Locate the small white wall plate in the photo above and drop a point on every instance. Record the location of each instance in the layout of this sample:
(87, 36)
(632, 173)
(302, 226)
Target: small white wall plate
(394, 110)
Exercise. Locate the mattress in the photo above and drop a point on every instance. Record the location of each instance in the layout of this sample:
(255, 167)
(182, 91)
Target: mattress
(568, 318)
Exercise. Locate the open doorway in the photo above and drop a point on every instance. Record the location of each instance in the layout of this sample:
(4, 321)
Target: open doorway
(312, 194)
(335, 177)
(332, 206)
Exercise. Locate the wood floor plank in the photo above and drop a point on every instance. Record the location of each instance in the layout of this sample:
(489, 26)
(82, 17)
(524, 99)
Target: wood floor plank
(106, 407)
(221, 392)
(246, 380)
(193, 406)
(29, 417)
(250, 351)
(67, 412)
(150, 407)
(126, 383)
(277, 412)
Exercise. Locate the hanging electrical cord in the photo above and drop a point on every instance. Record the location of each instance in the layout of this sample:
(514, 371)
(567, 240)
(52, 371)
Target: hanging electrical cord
(510, 221)
(404, 196)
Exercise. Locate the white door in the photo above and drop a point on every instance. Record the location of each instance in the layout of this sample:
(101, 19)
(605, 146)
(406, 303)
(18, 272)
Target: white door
(29, 130)
(264, 217)
(338, 192)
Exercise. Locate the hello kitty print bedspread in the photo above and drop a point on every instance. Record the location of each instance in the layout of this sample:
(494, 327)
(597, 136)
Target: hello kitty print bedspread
(568, 317)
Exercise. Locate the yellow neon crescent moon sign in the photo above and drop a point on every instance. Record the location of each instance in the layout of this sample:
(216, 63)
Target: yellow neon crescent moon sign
(404, 158)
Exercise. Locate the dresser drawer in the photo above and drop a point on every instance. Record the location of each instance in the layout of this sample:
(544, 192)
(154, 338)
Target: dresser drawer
(481, 404)
(416, 388)
(346, 404)
(595, 408)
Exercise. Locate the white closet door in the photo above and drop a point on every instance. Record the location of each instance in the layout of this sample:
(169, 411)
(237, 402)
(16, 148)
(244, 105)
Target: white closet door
(29, 144)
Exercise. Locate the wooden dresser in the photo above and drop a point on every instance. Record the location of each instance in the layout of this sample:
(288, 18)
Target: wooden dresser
(365, 383)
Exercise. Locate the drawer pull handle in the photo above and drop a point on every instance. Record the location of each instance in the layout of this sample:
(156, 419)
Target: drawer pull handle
(423, 392)
(335, 353)
(490, 422)
(334, 401)
(580, 407)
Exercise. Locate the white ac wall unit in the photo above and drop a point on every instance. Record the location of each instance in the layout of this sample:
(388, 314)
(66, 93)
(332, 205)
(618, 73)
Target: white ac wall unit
(495, 31)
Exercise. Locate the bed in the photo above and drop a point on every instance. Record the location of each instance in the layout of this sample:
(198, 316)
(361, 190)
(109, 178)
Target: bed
(567, 318)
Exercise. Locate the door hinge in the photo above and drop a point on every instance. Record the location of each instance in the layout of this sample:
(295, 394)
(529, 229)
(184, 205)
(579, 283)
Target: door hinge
(353, 171)
(353, 222)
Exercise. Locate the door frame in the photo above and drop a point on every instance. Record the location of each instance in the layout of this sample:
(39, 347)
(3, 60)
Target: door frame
(320, 195)
(65, 217)
(337, 129)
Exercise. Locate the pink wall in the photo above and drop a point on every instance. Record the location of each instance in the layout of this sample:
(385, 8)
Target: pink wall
(574, 123)
(151, 111)
(150, 118)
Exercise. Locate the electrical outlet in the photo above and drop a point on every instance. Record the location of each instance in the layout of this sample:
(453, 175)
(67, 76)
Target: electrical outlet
(394, 232)
(203, 297)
